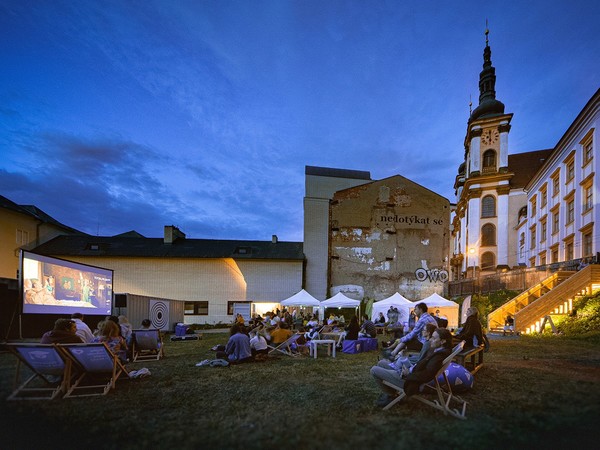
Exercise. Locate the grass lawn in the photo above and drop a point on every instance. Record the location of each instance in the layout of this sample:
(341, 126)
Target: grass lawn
(531, 393)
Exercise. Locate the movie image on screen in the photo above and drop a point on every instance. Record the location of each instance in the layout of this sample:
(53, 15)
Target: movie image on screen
(56, 286)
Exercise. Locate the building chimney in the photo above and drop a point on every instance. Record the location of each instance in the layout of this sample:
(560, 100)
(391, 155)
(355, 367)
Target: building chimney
(172, 233)
(274, 239)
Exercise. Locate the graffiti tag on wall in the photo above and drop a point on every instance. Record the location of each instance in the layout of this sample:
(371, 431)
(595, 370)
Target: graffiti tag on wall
(432, 274)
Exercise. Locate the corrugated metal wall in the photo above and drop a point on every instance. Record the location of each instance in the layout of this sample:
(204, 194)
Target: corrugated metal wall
(164, 313)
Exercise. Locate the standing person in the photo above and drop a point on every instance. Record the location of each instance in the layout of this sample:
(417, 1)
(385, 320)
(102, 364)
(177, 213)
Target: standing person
(83, 331)
(368, 328)
(414, 340)
(64, 332)
(411, 379)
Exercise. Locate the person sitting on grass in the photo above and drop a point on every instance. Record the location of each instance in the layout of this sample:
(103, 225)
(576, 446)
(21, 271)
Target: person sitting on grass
(238, 348)
(258, 344)
(411, 379)
(64, 332)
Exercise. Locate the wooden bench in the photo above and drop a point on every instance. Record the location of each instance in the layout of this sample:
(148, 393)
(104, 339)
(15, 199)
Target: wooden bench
(471, 358)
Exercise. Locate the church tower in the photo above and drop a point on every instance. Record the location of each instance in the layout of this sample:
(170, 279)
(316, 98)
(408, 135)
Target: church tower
(482, 186)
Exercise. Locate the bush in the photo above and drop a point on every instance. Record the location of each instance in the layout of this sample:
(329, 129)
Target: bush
(585, 319)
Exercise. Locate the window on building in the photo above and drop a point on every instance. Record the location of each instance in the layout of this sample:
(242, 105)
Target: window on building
(555, 184)
(543, 259)
(588, 151)
(587, 243)
(533, 207)
(588, 198)
(489, 161)
(543, 230)
(532, 240)
(554, 254)
(532, 262)
(195, 309)
(569, 250)
(488, 261)
(22, 237)
(521, 245)
(488, 235)
(230, 307)
(555, 221)
(570, 211)
(570, 170)
(488, 206)
(543, 198)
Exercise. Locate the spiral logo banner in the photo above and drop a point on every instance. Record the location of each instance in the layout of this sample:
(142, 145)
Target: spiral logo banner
(159, 314)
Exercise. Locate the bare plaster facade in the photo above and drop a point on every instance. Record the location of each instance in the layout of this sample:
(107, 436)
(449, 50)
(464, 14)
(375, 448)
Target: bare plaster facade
(388, 236)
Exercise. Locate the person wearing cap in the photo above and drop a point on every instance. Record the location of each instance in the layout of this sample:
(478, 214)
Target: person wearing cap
(64, 332)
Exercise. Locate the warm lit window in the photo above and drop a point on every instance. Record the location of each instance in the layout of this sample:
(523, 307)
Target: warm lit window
(195, 309)
(488, 206)
(488, 234)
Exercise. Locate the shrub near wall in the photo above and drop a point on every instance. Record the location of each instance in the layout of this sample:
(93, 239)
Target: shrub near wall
(585, 319)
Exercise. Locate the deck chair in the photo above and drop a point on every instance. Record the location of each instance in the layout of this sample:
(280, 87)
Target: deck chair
(96, 369)
(147, 345)
(51, 372)
(445, 397)
(286, 346)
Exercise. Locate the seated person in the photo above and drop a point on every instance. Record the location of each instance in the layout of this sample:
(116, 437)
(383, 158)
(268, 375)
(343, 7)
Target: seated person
(126, 328)
(368, 328)
(509, 325)
(83, 331)
(414, 340)
(380, 321)
(471, 330)
(237, 349)
(110, 333)
(312, 333)
(397, 354)
(411, 379)
(64, 332)
(258, 344)
(352, 329)
(280, 334)
(313, 322)
(146, 324)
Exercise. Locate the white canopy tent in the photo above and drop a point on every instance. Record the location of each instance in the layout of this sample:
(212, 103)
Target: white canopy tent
(397, 300)
(339, 300)
(301, 298)
(447, 308)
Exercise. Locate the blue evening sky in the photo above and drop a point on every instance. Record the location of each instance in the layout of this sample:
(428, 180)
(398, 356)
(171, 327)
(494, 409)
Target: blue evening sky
(131, 115)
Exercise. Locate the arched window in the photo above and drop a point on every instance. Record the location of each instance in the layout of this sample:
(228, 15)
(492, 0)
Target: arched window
(488, 261)
(488, 235)
(489, 160)
(488, 206)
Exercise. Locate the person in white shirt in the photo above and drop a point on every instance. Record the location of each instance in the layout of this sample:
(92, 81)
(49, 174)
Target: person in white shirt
(258, 344)
(83, 331)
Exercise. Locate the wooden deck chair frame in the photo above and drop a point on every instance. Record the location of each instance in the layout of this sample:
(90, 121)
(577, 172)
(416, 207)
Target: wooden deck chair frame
(46, 362)
(147, 345)
(285, 347)
(96, 369)
(445, 396)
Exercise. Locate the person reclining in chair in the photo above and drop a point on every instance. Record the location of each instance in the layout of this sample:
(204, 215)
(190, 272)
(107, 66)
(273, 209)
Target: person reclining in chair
(414, 340)
(440, 346)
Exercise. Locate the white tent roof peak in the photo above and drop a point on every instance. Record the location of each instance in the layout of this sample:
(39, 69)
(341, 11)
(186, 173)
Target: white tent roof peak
(340, 300)
(437, 300)
(301, 298)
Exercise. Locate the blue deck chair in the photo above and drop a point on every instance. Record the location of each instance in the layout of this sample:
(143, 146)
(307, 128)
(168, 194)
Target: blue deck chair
(147, 345)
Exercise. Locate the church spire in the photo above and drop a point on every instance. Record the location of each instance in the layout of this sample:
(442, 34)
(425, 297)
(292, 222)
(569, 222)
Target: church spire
(488, 105)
